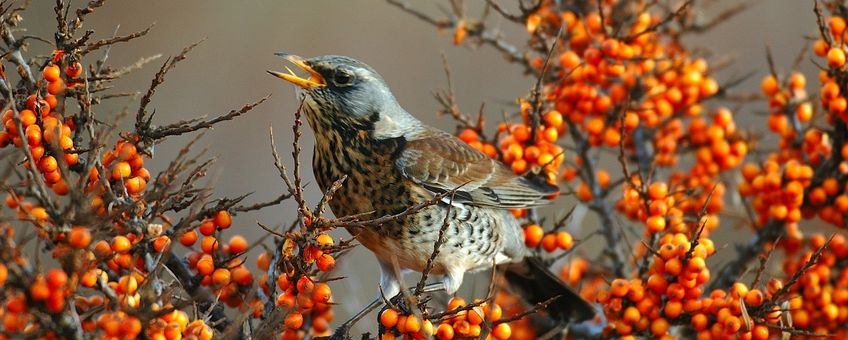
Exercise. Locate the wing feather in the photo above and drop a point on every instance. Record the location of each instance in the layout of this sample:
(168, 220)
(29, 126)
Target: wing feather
(441, 162)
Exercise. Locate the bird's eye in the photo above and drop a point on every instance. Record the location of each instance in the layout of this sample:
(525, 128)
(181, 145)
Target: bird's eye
(342, 78)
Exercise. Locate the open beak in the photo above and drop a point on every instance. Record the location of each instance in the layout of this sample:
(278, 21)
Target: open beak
(315, 79)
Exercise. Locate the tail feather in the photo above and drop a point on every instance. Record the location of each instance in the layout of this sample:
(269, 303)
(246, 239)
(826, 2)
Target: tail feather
(535, 283)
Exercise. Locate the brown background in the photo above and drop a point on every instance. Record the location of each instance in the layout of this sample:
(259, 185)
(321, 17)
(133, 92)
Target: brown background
(228, 70)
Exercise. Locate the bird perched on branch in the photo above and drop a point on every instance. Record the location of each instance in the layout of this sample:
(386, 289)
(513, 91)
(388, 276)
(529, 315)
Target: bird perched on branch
(393, 161)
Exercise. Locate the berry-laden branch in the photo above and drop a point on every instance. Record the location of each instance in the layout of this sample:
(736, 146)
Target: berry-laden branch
(618, 77)
(654, 109)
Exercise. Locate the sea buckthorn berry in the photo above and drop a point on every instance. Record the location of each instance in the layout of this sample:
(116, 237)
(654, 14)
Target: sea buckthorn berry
(188, 238)
(56, 279)
(321, 293)
(656, 224)
(549, 242)
(564, 240)
(73, 70)
(121, 244)
(48, 164)
(237, 245)
(533, 235)
(836, 57)
(79, 237)
(56, 87)
(325, 263)
(161, 243)
(207, 228)
(263, 261)
(222, 219)
(305, 285)
(205, 265)
(294, 320)
(51, 73)
(619, 287)
(389, 318)
(121, 170)
(221, 276)
(412, 324)
(502, 331)
(324, 240)
(657, 190)
(209, 244)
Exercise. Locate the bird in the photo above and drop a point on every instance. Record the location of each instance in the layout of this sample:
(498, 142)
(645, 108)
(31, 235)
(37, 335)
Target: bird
(394, 161)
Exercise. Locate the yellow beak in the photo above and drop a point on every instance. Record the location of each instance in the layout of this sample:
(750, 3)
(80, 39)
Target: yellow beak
(315, 79)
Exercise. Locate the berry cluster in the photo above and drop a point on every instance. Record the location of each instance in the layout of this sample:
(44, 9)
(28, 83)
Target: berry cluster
(461, 321)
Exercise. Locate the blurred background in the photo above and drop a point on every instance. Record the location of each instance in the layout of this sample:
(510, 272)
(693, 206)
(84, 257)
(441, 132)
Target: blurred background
(228, 70)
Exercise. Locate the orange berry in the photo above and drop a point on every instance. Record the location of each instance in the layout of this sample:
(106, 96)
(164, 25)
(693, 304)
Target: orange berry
(732, 324)
(549, 242)
(161, 243)
(325, 262)
(79, 237)
(659, 326)
(242, 276)
(673, 309)
(657, 190)
(221, 276)
(102, 248)
(305, 285)
(564, 240)
(209, 244)
(263, 261)
(56, 279)
(73, 70)
(475, 316)
(656, 224)
(321, 293)
(754, 297)
(521, 133)
(294, 320)
(222, 219)
(51, 73)
(519, 166)
(412, 324)
(769, 85)
(836, 57)
(569, 59)
(207, 228)
(134, 185)
(324, 240)
(502, 331)
(493, 311)
(120, 244)
(699, 321)
(205, 265)
(121, 170)
(456, 302)
(48, 164)
(619, 287)
(56, 87)
(188, 238)
(553, 119)
(39, 290)
(469, 135)
(237, 245)
(389, 318)
(533, 235)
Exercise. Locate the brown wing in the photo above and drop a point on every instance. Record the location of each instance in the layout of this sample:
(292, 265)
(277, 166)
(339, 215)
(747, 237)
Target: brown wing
(441, 162)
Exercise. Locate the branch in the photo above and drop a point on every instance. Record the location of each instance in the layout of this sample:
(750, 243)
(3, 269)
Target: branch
(180, 128)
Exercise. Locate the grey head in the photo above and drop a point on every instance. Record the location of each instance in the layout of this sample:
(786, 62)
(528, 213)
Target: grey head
(346, 94)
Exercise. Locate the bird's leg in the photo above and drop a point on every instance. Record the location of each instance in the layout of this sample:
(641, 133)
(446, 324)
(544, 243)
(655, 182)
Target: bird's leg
(452, 281)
